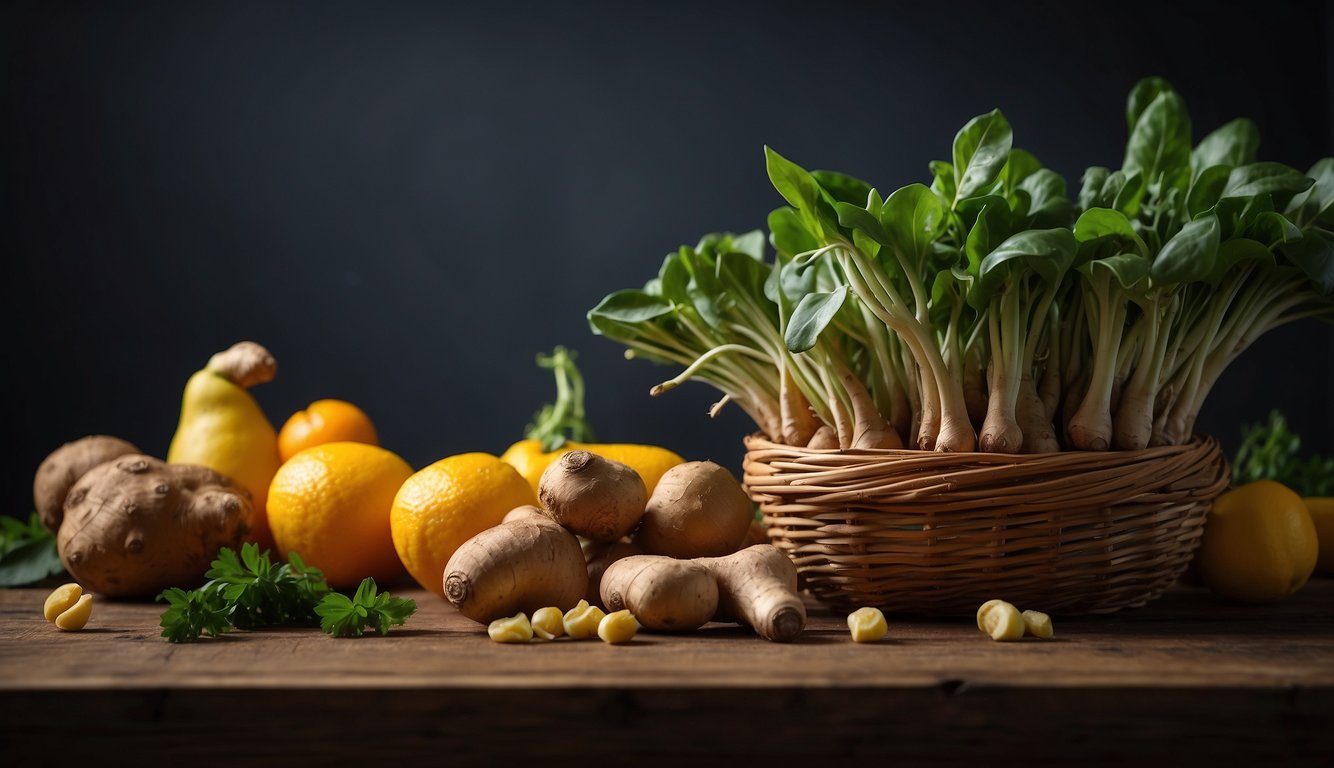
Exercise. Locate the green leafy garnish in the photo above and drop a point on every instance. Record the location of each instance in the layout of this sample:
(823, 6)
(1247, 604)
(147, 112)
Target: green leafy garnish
(343, 616)
(27, 552)
(191, 614)
(1273, 452)
(250, 591)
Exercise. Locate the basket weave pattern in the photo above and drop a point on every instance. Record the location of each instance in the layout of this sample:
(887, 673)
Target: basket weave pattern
(939, 533)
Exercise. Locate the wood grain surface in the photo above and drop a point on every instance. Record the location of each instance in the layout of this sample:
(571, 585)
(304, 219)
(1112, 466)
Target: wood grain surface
(1186, 677)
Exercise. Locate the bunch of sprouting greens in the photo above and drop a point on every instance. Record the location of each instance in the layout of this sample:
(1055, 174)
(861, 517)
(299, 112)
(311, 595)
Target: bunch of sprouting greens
(250, 591)
(990, 310)
(1272, 451)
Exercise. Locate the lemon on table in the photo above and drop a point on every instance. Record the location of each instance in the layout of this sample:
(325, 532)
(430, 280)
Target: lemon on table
(1259, 543)
(1322, 514)
(442, 506)
(330, 504)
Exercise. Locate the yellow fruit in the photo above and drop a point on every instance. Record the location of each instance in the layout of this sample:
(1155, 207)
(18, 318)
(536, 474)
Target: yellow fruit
(330, 504)
(223, 428)
(650, 461)
(325, 421)
(448, 503)
(1259, 543)
(1322, 514)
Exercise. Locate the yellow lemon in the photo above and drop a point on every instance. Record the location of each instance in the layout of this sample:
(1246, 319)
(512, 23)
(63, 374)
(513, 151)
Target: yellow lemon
(1259, 543)
(448, 503)
(1322, 514)
(330, 504)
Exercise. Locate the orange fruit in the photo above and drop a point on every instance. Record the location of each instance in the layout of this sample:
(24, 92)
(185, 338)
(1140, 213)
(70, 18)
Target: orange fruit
(1259, 543)
(325, 421)
(447, 503)
(1322, 514)
(330, 504)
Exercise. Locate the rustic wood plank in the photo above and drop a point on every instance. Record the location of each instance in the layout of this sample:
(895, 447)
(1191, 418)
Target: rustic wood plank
(1186, 676)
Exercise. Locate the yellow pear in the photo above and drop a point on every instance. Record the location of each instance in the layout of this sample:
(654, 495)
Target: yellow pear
(223, 428)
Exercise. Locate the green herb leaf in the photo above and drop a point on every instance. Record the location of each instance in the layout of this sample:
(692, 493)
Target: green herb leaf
(1159, 144)
(1271, 451)
(981, 149)
(341, 616)
(813, 314)
(1265, 178)
(1314, 256)
(1232, 144)
(1190, 255)
(27, 552)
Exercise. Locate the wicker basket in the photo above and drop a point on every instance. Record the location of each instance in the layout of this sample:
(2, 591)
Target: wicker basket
(939, 533)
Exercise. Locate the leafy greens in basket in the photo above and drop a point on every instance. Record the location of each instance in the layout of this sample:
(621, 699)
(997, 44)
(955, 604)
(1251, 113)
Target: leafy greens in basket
(989, 310)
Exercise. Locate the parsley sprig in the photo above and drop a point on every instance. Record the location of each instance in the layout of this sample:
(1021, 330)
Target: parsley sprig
(250, 591)
(1272, 451)
(342, 616)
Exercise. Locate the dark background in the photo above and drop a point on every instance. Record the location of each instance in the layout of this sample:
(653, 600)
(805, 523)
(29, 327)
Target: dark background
(406, 202)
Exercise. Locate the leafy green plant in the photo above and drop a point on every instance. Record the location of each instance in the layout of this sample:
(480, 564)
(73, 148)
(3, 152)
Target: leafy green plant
(343, 616)
(250, 591)
(27, 552)
(989, 309)
(1271, 451)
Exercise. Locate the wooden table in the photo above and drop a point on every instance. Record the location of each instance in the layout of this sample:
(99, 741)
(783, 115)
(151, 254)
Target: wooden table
(1184, 680)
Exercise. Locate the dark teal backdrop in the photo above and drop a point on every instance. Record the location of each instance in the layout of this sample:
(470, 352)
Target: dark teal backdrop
(408, 201)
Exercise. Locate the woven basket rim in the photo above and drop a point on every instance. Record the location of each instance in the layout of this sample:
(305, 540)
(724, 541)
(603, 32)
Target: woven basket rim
(1199, 442)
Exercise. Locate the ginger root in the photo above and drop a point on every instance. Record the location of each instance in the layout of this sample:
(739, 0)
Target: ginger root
(698, 509)
(519, 566)
(136, 525)
(62, 469)
(758, 587)
(663, 593)
(594, 497)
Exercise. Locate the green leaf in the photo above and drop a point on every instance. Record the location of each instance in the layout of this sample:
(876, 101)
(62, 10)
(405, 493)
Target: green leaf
(672, 279)
(30, 562)
(1048, 206)
(1020, 165)
(981, 148)
(751, 243)
(942, 179)
(1315, 205)
(1128, 269)
(743, 277)
(856, 217)
(1233, 144)
(1048, 253)
(989, 230)
(799, 189)
(1236, 251)
(344, 617)
(1131, 193)
(1272, 452)
(27, 552)
(1265, 178)
(631, 306)
(1159, 144)
(1272, 228)
(1314, 255)
(1090, 188)
(1190, 255)
(789, 234)
(813, 314)
(913, 218)
(1097, 224)
(1141, 96)
(1207, 189)
(843, 188)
